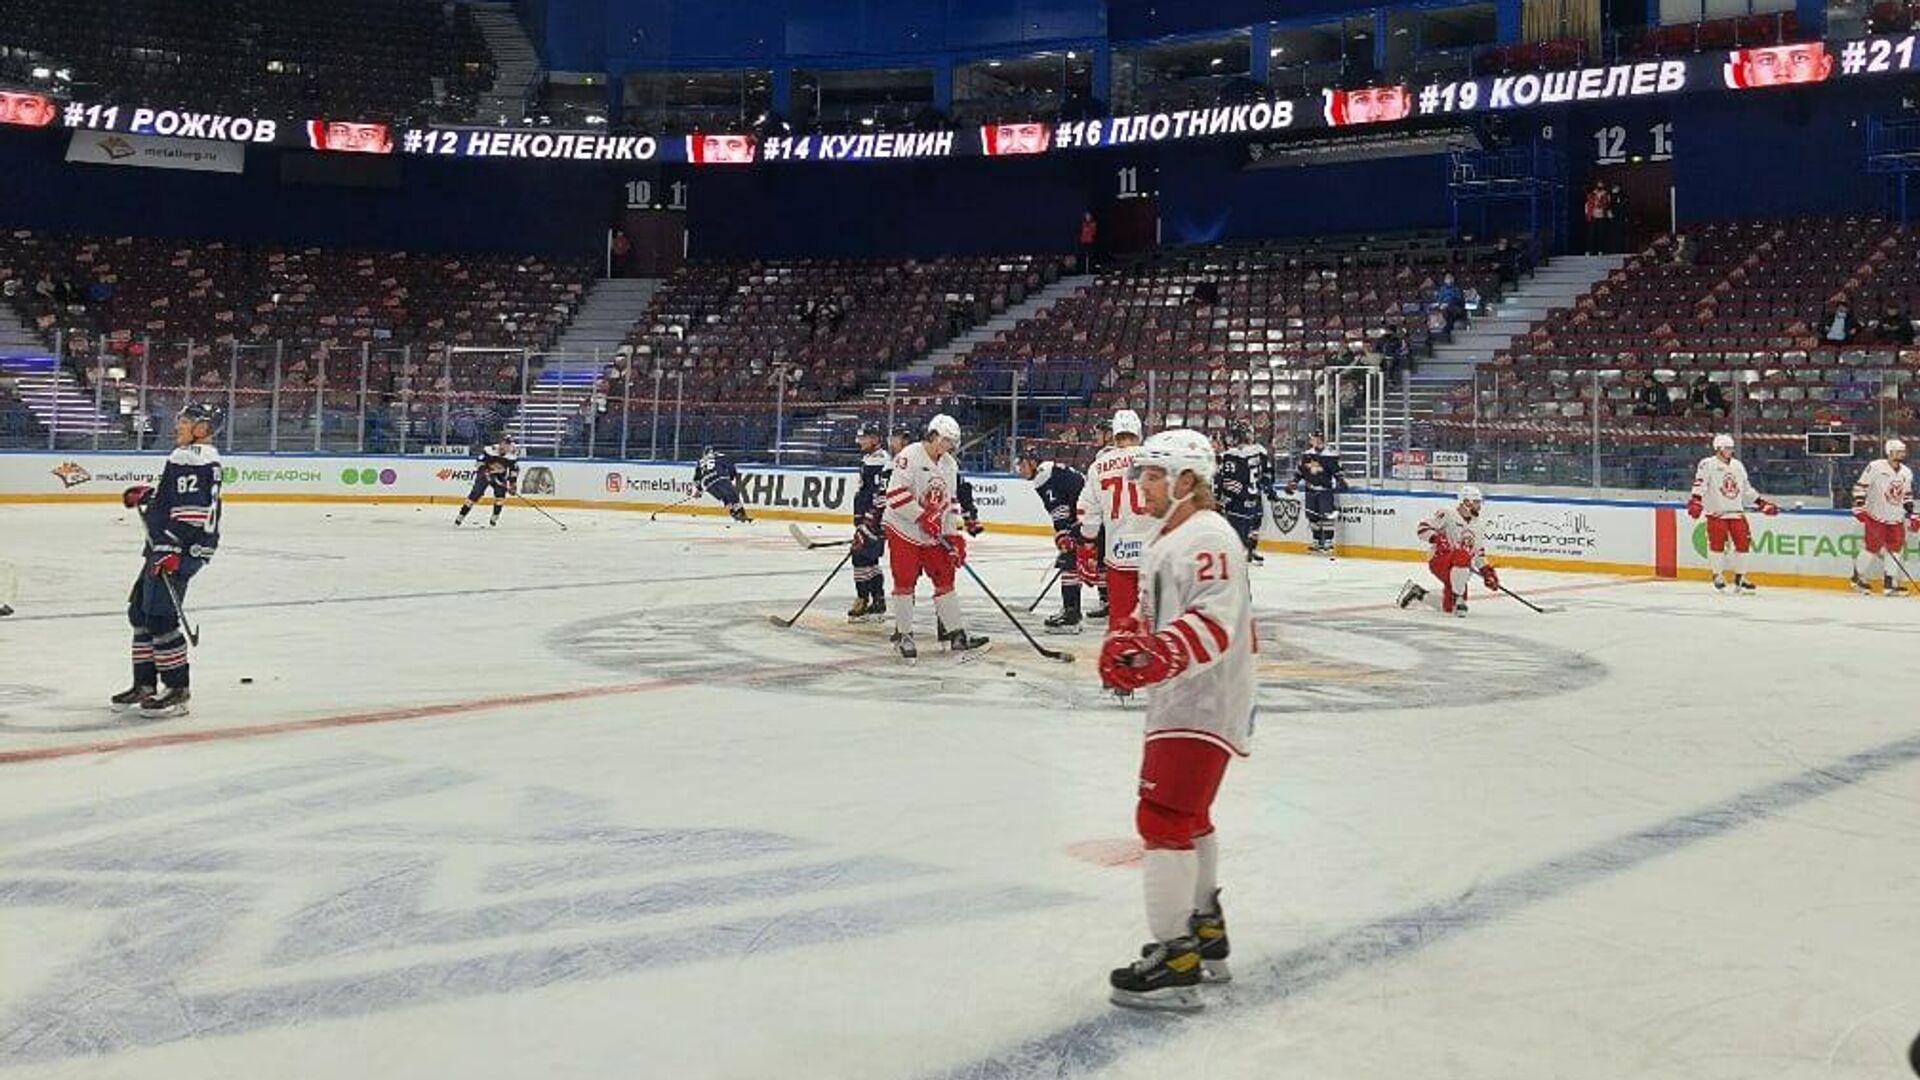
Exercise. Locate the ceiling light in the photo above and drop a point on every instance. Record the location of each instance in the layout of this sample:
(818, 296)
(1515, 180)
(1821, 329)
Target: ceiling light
(1216, 61)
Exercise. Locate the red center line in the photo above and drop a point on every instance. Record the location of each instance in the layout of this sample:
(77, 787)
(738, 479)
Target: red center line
(413, 712)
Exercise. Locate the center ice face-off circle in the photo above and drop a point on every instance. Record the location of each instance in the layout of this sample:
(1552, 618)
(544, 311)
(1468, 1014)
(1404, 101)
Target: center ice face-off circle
(1308, 664)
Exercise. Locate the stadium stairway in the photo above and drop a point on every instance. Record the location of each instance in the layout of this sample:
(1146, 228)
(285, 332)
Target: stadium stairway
(516, 64)
(51, 394)
(557, 401)
(957, 350)
(1557, 284)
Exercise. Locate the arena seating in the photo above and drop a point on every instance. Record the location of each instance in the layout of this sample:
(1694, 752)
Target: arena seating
(726, 330)
(373, 59)
(206, 317)
(1745, 315)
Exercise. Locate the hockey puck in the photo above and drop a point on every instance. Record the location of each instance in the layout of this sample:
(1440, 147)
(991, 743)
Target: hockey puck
(5, 611)
(1013, 674)
(246, 681)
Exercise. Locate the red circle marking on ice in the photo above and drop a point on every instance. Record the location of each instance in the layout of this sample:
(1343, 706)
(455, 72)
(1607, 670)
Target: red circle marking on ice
(1125, 852)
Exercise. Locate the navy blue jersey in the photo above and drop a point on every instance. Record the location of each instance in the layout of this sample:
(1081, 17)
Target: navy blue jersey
(184, 513)
(1059, 489)
(714, 465)
(1245, 476)
(963, 494)
(500, 461)
(874, 470)
(1319, 470)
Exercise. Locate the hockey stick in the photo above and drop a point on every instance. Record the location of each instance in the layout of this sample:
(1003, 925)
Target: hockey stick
(1913, 586)
(193, 634)
(542, 513)
(1051, 654)
(1530, 604)
(809, 542)
(788, 623)
(1044, 590)
(655, 516)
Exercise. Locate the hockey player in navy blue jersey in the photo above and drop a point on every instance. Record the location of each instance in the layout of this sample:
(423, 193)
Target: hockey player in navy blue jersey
(1059, 489)
(498, 469)
(718, 476)
(181, 512)
(1319, 480)
(869, 538)
(1245, 480)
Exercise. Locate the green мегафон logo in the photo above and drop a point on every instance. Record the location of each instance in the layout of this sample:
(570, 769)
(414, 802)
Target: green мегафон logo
(1791, 545)
(368, 477)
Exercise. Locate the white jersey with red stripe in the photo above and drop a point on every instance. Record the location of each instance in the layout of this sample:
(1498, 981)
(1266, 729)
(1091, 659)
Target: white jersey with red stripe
(1193, 581)
(919, 490)
(1461, 534)
(1112, 500)
(1888, 488)
(1722, 487)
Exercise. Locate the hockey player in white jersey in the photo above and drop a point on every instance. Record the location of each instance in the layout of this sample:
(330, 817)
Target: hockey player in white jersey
(1883, 505)
(1453, 533)
(1191, 646)
(1111, 501)
(925, 534)
(1721, 491)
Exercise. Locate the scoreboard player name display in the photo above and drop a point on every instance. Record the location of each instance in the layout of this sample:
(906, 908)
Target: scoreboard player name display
(1746, 70)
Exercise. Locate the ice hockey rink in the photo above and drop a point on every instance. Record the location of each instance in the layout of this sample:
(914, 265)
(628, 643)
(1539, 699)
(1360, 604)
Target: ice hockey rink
(515, 802)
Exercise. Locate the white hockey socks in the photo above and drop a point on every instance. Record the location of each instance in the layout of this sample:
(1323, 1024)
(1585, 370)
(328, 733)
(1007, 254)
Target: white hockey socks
(1206, 851)
(1868, 566)
(947, 608)
(1717, 562)
(903, 614)
(1168, 876)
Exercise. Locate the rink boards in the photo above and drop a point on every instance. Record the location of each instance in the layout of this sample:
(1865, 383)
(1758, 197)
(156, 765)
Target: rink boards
(1808, 547)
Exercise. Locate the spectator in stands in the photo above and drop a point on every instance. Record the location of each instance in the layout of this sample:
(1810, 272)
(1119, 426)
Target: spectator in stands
(1704, 398)
(622, 247)
(1618, 206)
(1395, 359)
(1894, 328)
(834, 312)
(1596, 217)
(1653, 399)
(1451, 300)
(1206, 294)
(1089, 235)
(1685, 251)
(1506, 262)
(1837, 324)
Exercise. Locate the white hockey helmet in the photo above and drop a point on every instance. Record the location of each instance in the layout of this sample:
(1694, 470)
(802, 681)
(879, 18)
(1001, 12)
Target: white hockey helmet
(1127, 422)
(1177, 450)
(1723, 442)
(946, 427)
(1895, 447)
(1471, 494)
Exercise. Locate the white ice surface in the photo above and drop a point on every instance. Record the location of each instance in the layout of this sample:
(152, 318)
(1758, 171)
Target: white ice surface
(1682, 841)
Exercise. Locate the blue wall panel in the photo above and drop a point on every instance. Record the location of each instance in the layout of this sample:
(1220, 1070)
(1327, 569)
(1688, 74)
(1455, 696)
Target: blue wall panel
(1205, 197)
(1770, 155)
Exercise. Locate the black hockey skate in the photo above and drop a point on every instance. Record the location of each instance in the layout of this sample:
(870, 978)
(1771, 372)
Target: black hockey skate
(1067, 622)
(1893, 588)
(171, 701)
(961, 641)
(1167, 976)
(903, 644)
(1719, 583)
(1209, 932)
(1743, 587)
(1460, 609)
(1099, 612)
(129, 699)
(1253, 558)
(1859, 585)
(1410, 594)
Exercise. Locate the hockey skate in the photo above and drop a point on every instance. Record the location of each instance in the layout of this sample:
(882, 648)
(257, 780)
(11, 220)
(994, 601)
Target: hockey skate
(861, 609)
(169, 702)
(903, 644)
(1860, 586)
(1410, 594)
(1099, 612)
(1254, 559)
(129, 699)
(1210, 931)
(1460, 609)
(1743, 587)
(1893, 588)
(961, 641)
(1167, 976)
(1719, 583)
(1067, 622)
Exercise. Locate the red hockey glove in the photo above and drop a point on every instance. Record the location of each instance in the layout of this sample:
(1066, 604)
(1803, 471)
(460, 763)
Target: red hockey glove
(1088, 560)
(1132, 659)
(1066, 541)
(1913, 523)
(1767, 507)
(135, 496)
(165, 563)
(957, 547)
(1490, 577)
(930, 520)
(1442, 547)
(1694, 507)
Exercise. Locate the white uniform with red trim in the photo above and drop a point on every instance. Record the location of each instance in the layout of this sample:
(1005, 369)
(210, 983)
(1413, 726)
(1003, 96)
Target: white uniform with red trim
(1193, 581)
(1110, 499)
(1461, 534)
(1887, 488)
(1722, 487)
(922, 491)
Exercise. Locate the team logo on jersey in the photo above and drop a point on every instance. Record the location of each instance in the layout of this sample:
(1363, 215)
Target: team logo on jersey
(1729, 486)
(537, 480)
(71, 474)
(1286, 514)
